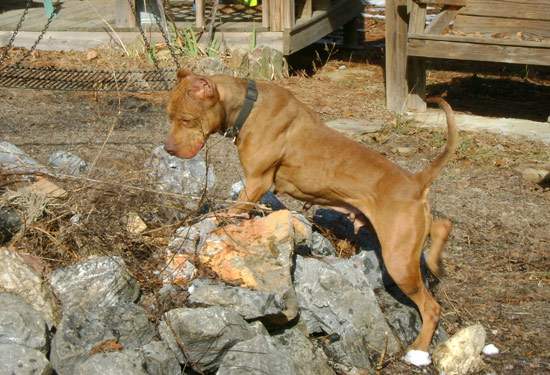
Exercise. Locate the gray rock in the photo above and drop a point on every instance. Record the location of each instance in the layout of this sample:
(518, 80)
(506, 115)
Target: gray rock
(321, 246)
(67, 163)
(123, 362)
(250, 304)
(188, 239)
(306, 359)
(180, 176)
(268, 199)
(10, 223)
(21, 360)
(401, 314)
(83, 328)
(21, 324)
(19, 278)
(267, 63)
(159, 359)
(201, 337)
(353, 127)
(97, 282)
(14, 160)
(336, 298)
(258, 355)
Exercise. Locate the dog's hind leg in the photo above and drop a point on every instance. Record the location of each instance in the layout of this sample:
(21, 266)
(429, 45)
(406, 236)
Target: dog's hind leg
(402, 231)
(439, 234)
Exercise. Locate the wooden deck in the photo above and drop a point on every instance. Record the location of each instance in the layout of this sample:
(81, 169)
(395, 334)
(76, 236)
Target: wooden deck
(286, 25)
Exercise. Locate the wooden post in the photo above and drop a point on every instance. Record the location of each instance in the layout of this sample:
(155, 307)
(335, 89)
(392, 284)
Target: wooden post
(124, 17)
(199, 14)
(265, 13)
(289, 14)
(276, 15)
(416, 68)
(396, 55)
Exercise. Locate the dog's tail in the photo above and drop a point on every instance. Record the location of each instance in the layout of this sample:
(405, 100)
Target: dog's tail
(426, 177)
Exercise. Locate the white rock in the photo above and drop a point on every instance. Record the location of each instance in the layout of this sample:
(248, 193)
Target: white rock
(417, 358)
(460, 354)
(490, 349)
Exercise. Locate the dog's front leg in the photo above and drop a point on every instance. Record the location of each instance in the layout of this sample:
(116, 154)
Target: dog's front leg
(256, 186)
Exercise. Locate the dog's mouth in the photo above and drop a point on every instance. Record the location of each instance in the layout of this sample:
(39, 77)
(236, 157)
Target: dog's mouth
(184, 152)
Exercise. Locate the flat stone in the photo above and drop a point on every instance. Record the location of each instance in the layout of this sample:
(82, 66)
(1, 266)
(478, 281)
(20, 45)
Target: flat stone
(204, 334)
(178, 269)
(21, 324)
(258, 355)
(135, 224)
(250, 304)
(461, 354)
(255, 254)
(84, 328)
(187, 239)
(22, 360)
(404, 151)
(535, 175)
(17, 277)
(321, 246)
(354, 127)
(97, 282)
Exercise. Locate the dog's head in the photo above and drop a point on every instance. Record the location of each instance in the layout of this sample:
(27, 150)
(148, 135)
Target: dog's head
(195, 112)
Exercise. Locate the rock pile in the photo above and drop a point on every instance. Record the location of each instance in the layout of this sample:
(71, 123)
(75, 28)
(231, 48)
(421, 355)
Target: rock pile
(277, 300)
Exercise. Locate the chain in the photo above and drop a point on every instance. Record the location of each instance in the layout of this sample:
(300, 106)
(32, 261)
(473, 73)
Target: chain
(147, 44)
(167, 40)
(35, 44)
(15, 32)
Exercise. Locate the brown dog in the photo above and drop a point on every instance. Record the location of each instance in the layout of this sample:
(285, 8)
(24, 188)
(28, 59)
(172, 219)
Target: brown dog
(285, 144)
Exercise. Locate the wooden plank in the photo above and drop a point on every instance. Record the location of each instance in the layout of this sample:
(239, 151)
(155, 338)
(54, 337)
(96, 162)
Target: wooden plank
(525, 9)
(265, 13)
(416, 68)
(396, 56)
(441, 21)
(305, 10)
(472, 24)
(476, 40)
(124, 17)
(479, 52)
(320, 24)
(443, 2)
(199, 14)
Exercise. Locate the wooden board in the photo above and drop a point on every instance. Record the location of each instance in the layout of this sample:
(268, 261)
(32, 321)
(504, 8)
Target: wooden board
(491, 25)
(441, 21)
(479, 49)
(524, 9)
(307, 31)
(443, 2)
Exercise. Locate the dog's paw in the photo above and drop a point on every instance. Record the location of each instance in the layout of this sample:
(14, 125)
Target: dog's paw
(417, 358)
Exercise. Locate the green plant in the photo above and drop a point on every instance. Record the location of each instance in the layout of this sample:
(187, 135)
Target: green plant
(213, 49)
(190, 43)
(253, 37)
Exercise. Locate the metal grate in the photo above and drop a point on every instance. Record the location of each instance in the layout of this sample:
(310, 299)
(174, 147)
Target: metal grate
(230, 13)
(87, 80)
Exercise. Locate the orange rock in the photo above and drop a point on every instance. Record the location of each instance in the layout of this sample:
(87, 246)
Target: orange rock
(255, 254)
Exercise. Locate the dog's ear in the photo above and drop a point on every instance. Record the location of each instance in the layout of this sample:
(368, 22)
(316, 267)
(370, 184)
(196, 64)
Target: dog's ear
(202, 88)
(182, 73)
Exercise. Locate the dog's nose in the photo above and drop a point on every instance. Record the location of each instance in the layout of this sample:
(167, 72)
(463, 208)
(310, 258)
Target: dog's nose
(169, 148)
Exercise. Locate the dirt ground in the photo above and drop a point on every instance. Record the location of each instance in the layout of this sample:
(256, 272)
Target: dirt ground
(497, 259)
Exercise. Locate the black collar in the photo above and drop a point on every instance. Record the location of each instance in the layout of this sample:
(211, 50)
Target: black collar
(249, 100)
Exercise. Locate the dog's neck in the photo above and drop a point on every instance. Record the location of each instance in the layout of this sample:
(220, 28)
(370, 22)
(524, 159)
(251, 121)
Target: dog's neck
(232, 97)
